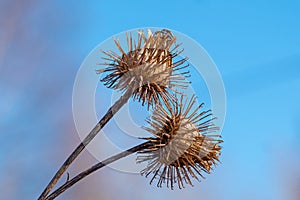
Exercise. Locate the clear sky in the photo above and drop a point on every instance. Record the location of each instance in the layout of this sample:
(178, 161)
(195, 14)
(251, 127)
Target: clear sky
(255, 45)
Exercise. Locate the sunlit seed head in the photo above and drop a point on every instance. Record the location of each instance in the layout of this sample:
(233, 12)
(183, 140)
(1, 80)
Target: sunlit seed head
(147, 68)
(184, 144)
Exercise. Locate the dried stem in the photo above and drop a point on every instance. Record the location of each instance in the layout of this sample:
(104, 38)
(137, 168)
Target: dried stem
(110, 113)
(94, 168)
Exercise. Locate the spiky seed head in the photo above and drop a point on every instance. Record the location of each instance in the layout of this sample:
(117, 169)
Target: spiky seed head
(148, 68)
(184, 144)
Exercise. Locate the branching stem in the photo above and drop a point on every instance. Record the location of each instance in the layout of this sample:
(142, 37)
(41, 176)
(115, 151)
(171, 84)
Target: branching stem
(110, 113)
(94, 168)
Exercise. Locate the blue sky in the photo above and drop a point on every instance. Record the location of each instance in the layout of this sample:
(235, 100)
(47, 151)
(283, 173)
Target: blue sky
(255, 45)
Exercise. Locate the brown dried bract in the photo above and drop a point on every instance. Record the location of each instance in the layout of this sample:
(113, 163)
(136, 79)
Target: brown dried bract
(184, 144)
(148, 68)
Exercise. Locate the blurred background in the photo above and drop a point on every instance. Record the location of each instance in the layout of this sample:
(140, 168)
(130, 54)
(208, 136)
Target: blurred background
(255, 45)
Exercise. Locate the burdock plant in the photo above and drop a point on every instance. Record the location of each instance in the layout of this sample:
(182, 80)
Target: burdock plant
(183, 143)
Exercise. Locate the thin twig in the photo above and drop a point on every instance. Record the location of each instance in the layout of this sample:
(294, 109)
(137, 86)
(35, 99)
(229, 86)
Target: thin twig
(115, 108)
(94, 168)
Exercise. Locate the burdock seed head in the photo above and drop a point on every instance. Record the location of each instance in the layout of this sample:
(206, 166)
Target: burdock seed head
(147, 68)
(184, 144)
